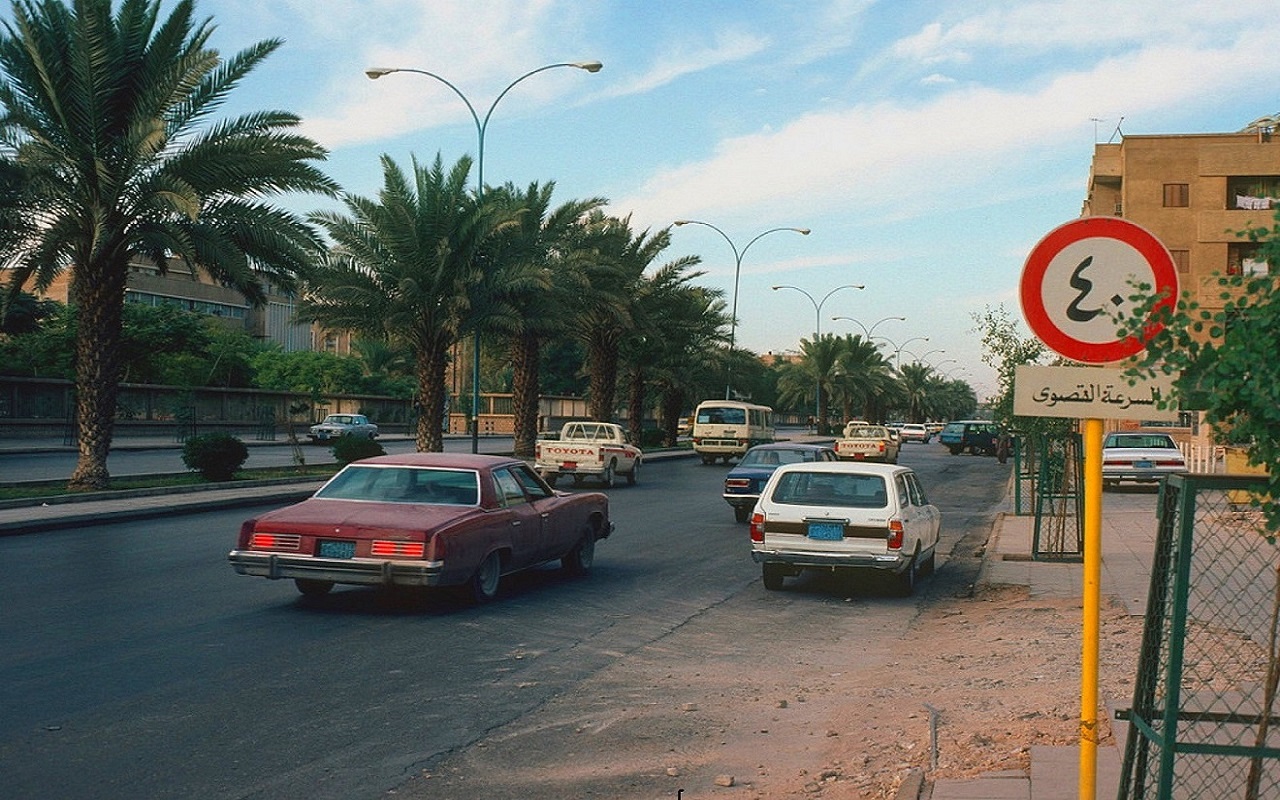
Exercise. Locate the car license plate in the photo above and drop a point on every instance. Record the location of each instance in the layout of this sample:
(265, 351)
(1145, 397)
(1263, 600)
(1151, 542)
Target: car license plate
(1143, 464)
(334, 549)
(826, 531)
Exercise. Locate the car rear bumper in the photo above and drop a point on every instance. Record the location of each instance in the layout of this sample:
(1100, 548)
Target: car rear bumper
(1139, 475)
(363, 571)
(741, 500)
(890, 562)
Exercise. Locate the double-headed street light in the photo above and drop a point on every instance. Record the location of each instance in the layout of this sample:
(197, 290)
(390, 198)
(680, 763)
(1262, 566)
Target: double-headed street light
(817, 336)
(737, 271)
(898, 348)
(481, 126)
(865, 330)
(927, 353)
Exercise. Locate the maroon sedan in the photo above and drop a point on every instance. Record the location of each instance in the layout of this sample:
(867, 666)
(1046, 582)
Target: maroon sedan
(424, 519)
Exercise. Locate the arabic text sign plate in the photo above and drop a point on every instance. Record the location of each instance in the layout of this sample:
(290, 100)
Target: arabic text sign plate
(1088, 393)
(1081, 274)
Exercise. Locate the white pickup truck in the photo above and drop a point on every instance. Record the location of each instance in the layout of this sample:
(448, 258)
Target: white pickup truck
(862, 441)
(588, 449)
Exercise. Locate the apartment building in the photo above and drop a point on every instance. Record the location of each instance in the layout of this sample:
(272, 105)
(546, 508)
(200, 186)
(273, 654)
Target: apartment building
(1199, 194)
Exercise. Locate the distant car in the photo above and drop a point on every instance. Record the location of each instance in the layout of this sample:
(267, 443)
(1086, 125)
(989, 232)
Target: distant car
(912, 432)
(336, 425)
(981, 437)
(843, 515)
(743, 483)
(424, 519)
(1139, 458)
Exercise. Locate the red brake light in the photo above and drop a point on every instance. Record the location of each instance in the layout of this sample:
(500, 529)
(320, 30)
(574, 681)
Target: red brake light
(275, 541)
(895, 534)
(757, 527)
(390, 549)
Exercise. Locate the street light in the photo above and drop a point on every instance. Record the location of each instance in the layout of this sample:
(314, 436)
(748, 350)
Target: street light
(817, 335)
(481, 126)
(946, 361)
(897, 348)
(737, 271)
(865, 330)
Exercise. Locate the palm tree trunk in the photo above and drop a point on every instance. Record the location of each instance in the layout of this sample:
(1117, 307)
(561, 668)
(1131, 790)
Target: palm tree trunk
(635, 406)
(99, 300)
(429, 370)
(602, 361)
(524, 392)
(672, 407)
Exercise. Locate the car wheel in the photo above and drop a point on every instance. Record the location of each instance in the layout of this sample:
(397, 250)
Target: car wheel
(634, 474)
(312, 588)
(741, 513)
(955, 451)
(772, 575)
(484, 583)
(930, 564)
(608, 475)
(908, 577)
(708, 460)
(578, 561)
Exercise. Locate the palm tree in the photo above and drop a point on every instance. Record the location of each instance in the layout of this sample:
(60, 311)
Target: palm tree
(537, 278)
(605, 313)
(817, 371)
(863, 378)
(916, 382)
(108, 125)
(400, 268)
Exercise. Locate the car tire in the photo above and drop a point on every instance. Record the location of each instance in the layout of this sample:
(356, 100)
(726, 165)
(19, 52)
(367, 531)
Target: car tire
(312, 588)
(741, 513)
(908, 578)
(930, 564)
(487, 578)
(634, 474)
(772, 575)
(708, 460)
(578, 561)
(609, 476)
(955, 450)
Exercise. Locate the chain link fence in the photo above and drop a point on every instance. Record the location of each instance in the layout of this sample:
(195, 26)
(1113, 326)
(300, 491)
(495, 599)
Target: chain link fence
(1203, 722)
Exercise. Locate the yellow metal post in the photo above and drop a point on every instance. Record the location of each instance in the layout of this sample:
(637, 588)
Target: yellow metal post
(1092, 603)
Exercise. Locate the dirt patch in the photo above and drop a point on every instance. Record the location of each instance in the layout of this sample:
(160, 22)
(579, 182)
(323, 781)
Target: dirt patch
(994, 673)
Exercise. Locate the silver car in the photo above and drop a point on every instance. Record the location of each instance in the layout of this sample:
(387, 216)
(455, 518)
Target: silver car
(1140, 458)
(844, 516)
(336, 425)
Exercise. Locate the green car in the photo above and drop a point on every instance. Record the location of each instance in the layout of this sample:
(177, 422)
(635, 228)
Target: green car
(978, 436)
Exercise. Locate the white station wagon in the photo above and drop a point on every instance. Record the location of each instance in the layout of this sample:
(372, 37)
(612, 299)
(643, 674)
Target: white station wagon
(844, 515)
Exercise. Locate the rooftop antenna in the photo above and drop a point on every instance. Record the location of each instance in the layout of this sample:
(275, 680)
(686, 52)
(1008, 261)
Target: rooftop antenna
(1117, 131)
(1095, 121)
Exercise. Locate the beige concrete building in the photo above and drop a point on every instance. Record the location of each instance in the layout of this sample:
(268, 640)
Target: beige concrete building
(1198, 193)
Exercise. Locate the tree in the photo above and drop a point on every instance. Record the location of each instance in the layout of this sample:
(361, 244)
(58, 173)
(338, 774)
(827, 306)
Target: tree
(533, 288)
(815, 373)
(862, 380)
(401, 267)
(105, 139)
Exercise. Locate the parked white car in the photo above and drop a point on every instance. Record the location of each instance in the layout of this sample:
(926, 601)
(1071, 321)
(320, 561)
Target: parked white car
(1139, 457)
(844, 516)
(336, 425)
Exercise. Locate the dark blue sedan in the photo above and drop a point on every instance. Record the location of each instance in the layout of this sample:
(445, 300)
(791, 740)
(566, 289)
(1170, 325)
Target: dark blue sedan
(743, 483)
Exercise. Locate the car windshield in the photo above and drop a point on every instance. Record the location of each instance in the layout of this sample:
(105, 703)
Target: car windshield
(722, 416)
(1142, 440)
(774, 457)
(402, 484)
(339, 419)
(838, 489)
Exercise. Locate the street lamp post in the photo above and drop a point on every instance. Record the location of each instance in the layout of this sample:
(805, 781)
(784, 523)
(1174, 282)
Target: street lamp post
(737, 271)
(482, 125)
(865, 330)
(897, 348)
(817, 335)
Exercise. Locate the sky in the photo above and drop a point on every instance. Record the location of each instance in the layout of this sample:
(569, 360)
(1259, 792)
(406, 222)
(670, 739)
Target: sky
(928, 145)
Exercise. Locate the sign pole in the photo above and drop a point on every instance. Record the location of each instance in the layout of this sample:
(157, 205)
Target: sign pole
(1092, 603)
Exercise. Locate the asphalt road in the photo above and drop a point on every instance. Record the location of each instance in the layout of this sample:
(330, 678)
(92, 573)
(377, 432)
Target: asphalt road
(136, 664)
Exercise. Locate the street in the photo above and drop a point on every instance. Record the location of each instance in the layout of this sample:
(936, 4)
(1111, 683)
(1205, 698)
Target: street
(138, 665)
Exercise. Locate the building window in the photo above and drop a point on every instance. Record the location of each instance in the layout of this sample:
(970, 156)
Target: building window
(1253, 192)
(1177, 195)
(1181, 259)
(1244, 258)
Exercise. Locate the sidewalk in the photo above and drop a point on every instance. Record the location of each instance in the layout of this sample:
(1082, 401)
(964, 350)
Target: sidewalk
(1128, 545)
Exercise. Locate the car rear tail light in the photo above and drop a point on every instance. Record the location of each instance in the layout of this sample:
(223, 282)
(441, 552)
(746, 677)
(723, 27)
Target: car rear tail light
(737, 483)
(389, 549)
(757, 527)
(895, 534)
(1171, 462)
(275, 541)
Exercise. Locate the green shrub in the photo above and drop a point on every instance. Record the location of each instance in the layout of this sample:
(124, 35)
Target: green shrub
(351, 448)
(216, 456)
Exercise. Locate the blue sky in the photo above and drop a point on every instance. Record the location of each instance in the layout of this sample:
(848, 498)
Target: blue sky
(927, 145)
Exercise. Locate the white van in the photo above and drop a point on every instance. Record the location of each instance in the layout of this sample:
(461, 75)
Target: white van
(728, 428)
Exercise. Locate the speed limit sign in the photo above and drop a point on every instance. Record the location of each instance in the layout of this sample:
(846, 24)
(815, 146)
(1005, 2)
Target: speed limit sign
(1081, 275)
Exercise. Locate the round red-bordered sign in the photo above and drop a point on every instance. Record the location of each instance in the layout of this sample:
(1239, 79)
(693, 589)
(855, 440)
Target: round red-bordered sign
(1080, 274)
